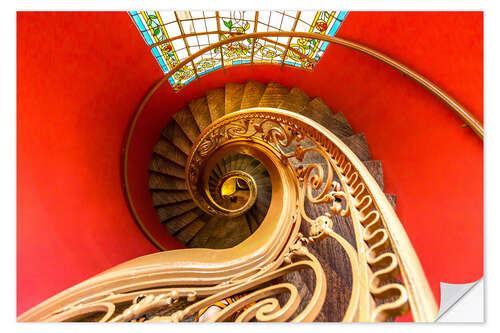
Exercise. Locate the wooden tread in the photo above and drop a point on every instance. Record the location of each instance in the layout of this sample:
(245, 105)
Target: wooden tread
(167, 184)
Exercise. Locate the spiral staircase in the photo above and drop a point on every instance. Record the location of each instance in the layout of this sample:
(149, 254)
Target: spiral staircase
(176, 209)
(280, 206)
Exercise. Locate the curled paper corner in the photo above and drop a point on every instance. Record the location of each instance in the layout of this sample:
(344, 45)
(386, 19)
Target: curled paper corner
(451, 298)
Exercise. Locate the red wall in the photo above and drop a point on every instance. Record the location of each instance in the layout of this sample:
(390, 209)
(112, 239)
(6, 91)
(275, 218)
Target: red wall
(431, 163)
(80, 77)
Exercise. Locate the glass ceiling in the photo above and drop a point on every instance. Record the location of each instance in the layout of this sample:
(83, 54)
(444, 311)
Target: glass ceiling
(160, 26)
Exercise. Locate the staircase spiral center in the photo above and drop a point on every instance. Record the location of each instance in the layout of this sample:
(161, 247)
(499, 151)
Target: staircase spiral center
(235, 192)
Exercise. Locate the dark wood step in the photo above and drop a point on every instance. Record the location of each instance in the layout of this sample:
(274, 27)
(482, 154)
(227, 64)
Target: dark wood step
(343, 120)
(357, 143)
(168, 197)
(315, 109)
(200, 112)
(188, 232)
(201, 238)
(392, 199)
(216, 172)
(297, 279)
(234, 94)
(170, 152)
(252, 223)
(186, 122)
(170, 211)
(228, 232)
(216, 103)
(250, 167)
(375, 169)
(295, 101)
(242, 159)
(174, 134)
(339, 289)
(252, 94)
(261, 206)
(274, 94)
(318, 111)
(166, 167)
(158, 181)
(177, 223)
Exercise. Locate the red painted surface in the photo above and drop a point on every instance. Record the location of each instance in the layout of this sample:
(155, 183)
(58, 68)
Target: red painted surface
(80, 76)
(431, 163)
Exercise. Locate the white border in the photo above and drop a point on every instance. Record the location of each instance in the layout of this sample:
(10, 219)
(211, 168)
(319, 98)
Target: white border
(8, 150)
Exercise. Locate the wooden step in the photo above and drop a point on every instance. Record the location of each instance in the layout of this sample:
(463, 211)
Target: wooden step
(201, 238)
(357, 143)
(298, 279)
(166, 167)
(177, 223)
(168, 197)
(252, 94)
(170, 152)
(343, 120)
(233, 160)
(273, 95)
(259, 209)
(186, 122)
(259, 169)
(318, 111)
(227, 163)
(228, 232)
(337, 302)
(174, 134)
(315, 108)
(392, 199)
(295, 101)
(234, 94)
(158, 181)
(250, 167)
(188, 232)
(252, 223)
(375, 169)
(200, 112)
(172, 210)
(242, 161)
(216, 103)
(216, 172)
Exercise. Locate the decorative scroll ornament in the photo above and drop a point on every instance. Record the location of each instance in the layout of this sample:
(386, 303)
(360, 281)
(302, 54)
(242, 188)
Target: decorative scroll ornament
(349, 197)
(170, 292)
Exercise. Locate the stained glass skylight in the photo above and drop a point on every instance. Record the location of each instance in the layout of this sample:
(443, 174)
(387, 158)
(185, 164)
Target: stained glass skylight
(172, 36)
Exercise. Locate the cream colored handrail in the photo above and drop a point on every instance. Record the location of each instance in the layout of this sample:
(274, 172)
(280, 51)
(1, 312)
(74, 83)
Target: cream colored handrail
(199, 277)
(374, 221)
(460, 110)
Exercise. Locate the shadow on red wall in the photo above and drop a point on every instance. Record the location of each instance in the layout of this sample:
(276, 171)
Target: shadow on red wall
(78, 87)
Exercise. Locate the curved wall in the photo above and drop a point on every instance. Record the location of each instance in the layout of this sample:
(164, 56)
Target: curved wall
(79, 79)
(431, 163)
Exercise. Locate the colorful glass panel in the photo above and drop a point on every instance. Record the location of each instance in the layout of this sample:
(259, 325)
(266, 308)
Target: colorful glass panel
(172, 38)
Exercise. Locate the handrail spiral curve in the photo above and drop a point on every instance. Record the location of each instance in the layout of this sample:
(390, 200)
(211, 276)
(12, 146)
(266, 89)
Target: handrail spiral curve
(175, 285)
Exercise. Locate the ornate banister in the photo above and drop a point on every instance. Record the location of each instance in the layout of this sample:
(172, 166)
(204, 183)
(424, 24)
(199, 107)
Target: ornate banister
(175, 285)
(469, 119)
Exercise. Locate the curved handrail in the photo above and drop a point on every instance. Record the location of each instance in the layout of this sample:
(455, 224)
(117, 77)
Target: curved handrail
(280, 140)
(375, 223)
(469, 119)
(191, 273)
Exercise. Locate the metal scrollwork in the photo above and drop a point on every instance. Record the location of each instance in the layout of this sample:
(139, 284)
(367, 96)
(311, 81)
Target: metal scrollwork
(171, 293)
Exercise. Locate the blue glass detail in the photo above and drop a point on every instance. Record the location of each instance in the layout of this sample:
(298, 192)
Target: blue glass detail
(334, 28)
(160, 60)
